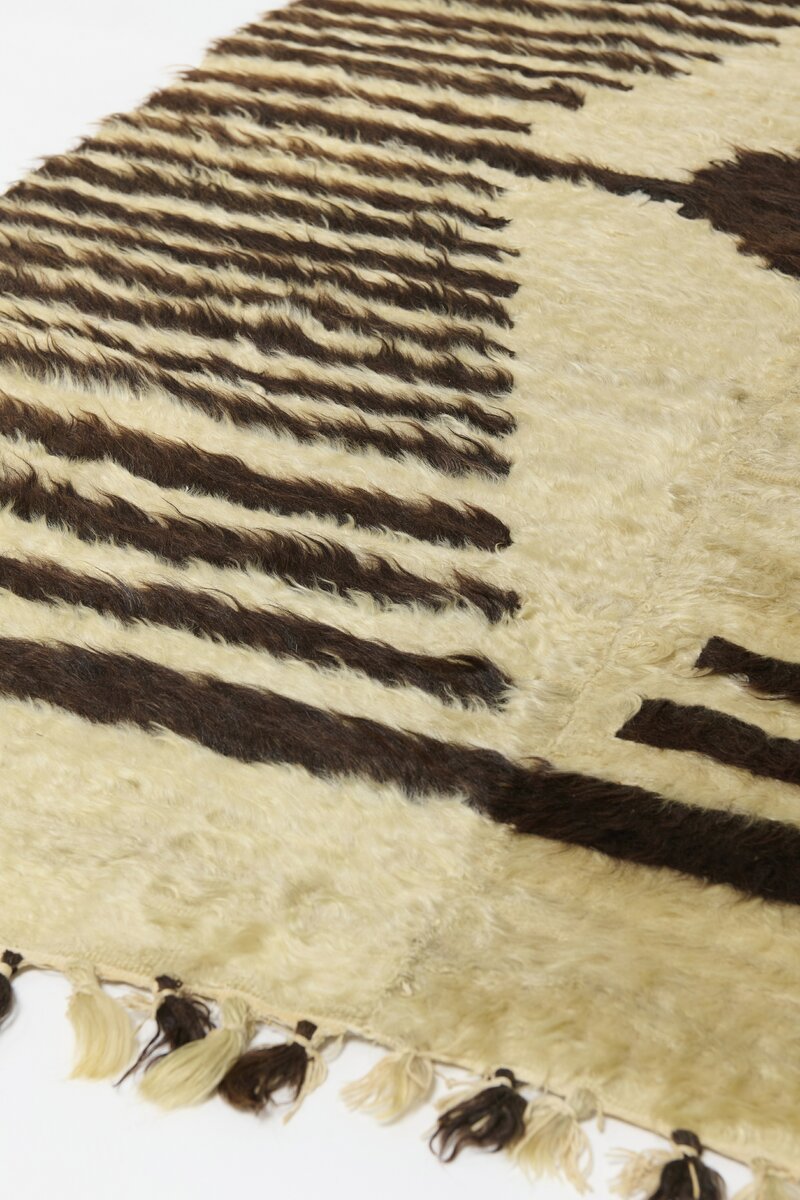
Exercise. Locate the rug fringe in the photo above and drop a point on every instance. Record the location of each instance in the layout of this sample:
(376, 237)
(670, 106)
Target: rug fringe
(193, 1071)
(489, 1116)
(104, 1035)
(555, 1142)
(296, 1066)
(397, 1083)
(680, 1174)
(188, 1059)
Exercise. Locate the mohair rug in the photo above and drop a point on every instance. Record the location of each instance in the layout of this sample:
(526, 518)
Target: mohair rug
(399, 575)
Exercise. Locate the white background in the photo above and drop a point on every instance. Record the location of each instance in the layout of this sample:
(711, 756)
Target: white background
(63, 65)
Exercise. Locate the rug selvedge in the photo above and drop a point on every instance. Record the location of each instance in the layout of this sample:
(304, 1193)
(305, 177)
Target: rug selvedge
(388, 416)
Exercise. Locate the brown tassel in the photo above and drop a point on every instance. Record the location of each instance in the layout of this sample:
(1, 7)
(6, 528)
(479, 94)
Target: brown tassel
(260, 1074)
(9, 965)
(180, 1019)
(688, 1177)
(490, 1119)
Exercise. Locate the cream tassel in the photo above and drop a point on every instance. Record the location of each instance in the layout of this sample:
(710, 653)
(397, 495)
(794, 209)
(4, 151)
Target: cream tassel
(640, 1172)
(396, 1084)
(554, 1143)
(769, 1183)
(193, 1071)
(104, 1038)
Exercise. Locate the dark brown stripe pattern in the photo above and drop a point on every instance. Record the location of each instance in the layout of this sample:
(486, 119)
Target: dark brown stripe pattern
(503, 35)
(361, 305)
(769, 676)
(462, 678)
(758, 857)
(182, 466)
(259, 240)
(670, 726)
(220, 398)
(277, 333)
(310, 562)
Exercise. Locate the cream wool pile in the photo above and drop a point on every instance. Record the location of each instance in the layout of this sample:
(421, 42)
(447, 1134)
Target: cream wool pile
(399, 574)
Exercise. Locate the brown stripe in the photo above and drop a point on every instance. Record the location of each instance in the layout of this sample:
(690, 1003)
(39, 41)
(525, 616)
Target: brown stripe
(273, 334)
(145, 179)
(219, 399)
(769, 676)
(740, 14)
(157, 276)
(390, 47)
(671, 726)
(262, 241)
(414, 295)
(463, 678)
(338, 189)
(455, 27)
(179, 465)
(617, 182)
(756, 856)
(458, 456)
(271, 113)
(403, 292)
(602, 12)
(461, 455)
(443, 112)
(504, 156)
(316, 562)
(479, 68)
(470, 81)
(370, 161)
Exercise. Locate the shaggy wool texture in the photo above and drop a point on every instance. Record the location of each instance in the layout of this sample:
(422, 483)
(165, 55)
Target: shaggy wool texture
(399, 577)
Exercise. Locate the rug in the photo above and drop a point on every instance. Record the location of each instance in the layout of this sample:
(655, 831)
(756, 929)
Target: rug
(399, 581)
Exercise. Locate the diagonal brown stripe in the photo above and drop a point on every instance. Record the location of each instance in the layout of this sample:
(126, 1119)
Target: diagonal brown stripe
(145, 179)
(464, 678)
(159, 275)
(219, 399)
(441, 111)
(371, 161)
(740, 14)
(391, 48)
(703, 30)
(416, 29)
(179, 465)
(309, 562)
(263, 241)
(479, 83)
(454, 25)
(273, 334)
(756, 856)
(476, 76)
(670, 726)
(289, 175)
(272, 113)
(770, 676)
(288, 263)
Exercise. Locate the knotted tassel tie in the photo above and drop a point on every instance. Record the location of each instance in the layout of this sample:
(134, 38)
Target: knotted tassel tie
(488, 1117)
(180, 1019)
(104, 1037)
(396, 1083)
(683, 1178)
(296, 1066)
(9, 965)
(193, 1071)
